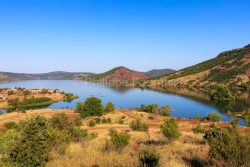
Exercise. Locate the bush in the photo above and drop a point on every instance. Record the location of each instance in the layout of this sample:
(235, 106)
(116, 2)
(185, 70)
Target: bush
(98, 120)
(7, 141)
(77, 134)
(34, 138)
(109, 107)
(214, 117)
(151, 117)
(170, 129)
(92, 123)
(10, 125)
(119, 140)
(199, 129)
(104, 121)
(109, 120)
(33, 148)
(148, 158)
(153, 108)
(59, 139)
(228, 147)
(121, 121)
(197, 117)
(221, 93)
(91, 107)
(247, 117)
(165, 111)
(60, 121)
(137, 125)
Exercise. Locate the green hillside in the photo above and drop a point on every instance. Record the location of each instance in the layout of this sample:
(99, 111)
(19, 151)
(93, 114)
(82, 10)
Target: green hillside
(230, 68)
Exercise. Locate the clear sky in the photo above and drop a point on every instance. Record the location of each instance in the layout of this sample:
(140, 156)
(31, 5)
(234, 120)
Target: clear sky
(97, 35)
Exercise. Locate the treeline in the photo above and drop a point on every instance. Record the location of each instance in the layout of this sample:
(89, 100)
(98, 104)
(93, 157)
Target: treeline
(154, 108)
(32, 103)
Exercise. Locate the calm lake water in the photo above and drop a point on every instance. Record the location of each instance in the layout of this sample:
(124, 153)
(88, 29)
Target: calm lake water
(181, 106)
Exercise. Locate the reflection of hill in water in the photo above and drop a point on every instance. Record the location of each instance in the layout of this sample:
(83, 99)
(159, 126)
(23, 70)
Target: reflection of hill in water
(241, 103)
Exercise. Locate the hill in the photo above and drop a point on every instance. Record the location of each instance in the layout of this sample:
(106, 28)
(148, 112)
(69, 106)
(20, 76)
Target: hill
(158, 72)
(57, 75)
(119, 74)
(231, 68)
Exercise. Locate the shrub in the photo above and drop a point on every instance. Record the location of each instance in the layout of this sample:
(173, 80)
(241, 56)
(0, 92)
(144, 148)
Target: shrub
(104, 121)
(109, 107)
(227, 147)
(214, 117)
(92, 123)
(151, 108)
(33, 148)
(165, 111)
(137, 125)
(109, 120)
(34, 138)
(199, 129)
(151, 117)
(170, 129)
(221, 93)
(60, 121)
(10, 125)
(119, 140)
(197, 117)
(7, 141)
(77, 134)
(77, 121)
(148, 158)
(121, 121)
(91, 107)
(247, 117)
(59, 139)
(98, 120)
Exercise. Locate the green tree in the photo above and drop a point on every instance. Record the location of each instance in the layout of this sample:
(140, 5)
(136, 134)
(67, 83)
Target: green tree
(149, 158)
(33, 148)
(109, 107)
(170, 129)
(214, 117)
(228, 147)
(91, 107)
(119, 139)
(138, 125)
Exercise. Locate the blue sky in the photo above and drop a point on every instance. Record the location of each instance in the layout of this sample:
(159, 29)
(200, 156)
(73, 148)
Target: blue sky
(97, 35)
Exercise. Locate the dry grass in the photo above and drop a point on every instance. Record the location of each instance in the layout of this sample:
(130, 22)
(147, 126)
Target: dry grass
(17, 116)
(180, 153)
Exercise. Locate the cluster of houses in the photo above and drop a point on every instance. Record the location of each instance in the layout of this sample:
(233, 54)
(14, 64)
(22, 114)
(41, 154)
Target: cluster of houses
(5, 95)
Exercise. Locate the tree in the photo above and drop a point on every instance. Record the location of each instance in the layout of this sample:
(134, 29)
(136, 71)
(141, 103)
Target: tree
(91, 107)
(214, 117)
(33, 148)
(228, 147)
(137, 125)
(119, 139)
(170, 129)
(109, 107)
(148, 158)
(14, 103)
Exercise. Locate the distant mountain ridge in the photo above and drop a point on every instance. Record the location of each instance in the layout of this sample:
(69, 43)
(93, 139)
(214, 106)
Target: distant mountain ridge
(119, 74)
(158, 72)
(56, 75)
(231, 68)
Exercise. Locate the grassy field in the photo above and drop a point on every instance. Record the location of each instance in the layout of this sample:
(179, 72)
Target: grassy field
(189, 148)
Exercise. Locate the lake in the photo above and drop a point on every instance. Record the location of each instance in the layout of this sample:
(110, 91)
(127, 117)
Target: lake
(182, 106)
